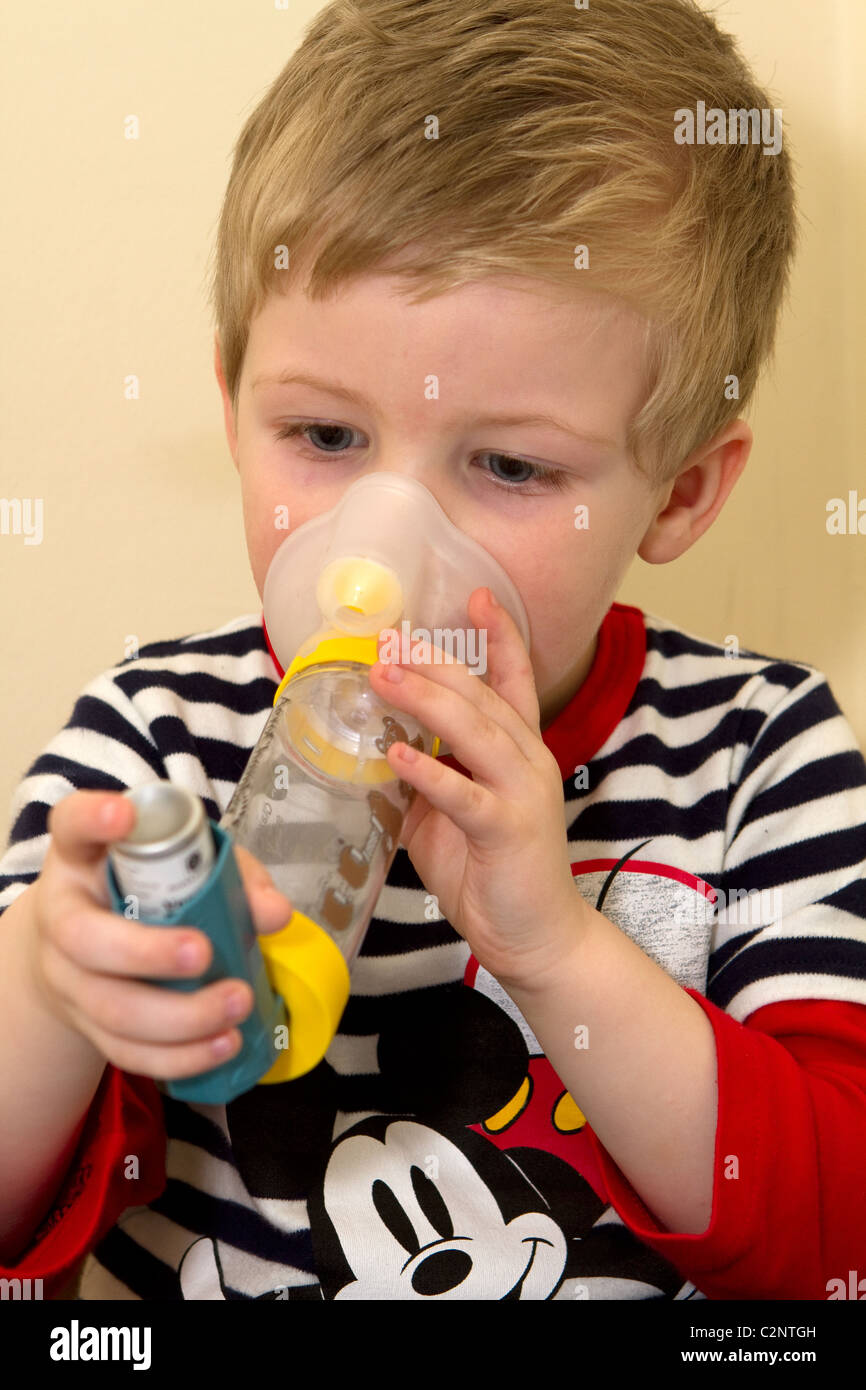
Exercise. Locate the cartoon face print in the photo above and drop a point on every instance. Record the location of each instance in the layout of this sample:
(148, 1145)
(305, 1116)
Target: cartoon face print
(416, 1220)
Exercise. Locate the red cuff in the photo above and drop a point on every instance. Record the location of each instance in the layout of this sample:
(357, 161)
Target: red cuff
(125, 1121)
(788, 1212)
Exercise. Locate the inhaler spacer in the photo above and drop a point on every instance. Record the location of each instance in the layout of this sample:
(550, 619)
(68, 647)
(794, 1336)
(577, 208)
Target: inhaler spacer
(318, 803)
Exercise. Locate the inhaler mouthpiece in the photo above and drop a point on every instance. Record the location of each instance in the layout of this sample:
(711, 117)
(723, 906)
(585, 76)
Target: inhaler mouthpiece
(386, 552)
(359, 596)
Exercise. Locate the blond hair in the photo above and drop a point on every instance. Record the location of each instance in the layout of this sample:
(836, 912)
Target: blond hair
(555, 130)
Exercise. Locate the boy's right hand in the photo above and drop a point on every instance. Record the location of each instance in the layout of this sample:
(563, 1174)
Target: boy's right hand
(86, 957)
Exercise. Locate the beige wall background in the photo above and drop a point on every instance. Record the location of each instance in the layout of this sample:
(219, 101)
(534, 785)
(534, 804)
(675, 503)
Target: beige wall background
(104, 248)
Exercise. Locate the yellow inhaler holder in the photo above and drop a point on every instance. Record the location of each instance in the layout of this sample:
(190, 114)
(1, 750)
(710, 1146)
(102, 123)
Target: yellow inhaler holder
(309, 971)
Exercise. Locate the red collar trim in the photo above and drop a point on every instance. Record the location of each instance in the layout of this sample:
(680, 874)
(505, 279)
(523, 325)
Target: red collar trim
(590, 717)
(280, 671)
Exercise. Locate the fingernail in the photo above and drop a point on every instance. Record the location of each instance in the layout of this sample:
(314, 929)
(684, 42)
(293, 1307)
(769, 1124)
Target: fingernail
(188, 955)
(236, 1004)
(493, 598)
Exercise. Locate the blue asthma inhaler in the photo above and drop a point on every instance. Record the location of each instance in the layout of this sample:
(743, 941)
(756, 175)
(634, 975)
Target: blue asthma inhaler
(220, 909)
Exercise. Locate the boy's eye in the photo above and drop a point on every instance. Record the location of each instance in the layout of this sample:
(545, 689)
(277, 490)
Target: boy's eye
(301, 427)
(545, 477)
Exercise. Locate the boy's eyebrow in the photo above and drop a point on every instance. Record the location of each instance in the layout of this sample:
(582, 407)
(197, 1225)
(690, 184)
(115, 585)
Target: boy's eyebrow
(290, 378)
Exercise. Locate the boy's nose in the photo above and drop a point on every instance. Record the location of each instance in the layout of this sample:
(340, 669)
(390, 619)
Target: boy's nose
(430, 475)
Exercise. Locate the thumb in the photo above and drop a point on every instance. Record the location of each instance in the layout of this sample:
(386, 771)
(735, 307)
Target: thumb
(269, 907)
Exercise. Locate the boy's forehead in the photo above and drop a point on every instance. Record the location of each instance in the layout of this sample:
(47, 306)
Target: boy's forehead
(553, 313)
(529, 349)
(521, 293)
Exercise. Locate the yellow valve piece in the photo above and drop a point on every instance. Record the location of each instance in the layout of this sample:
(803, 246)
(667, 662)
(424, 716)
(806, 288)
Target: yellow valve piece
(308, 969)
(355, 585)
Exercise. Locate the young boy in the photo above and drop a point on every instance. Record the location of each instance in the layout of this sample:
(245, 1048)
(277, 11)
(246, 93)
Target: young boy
(653, 1086)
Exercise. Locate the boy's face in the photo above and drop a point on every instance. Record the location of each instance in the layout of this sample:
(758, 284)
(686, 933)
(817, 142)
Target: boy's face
(495, 349)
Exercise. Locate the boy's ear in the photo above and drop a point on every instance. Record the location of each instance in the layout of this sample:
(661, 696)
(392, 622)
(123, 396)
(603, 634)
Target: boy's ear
(228, 413)
(697, 494)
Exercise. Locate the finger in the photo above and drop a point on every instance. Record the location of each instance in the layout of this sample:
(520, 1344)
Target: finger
(438, 666)
(417, 813)
(509, 668)
(84, 823)
(144, 1013)
(476, 724)
(472, 807)
(169, 1063)
(269, 906)
(252, 870)
(99, 939)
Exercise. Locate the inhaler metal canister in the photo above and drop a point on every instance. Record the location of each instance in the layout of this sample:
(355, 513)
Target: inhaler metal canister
(169, 853)
(177, 867)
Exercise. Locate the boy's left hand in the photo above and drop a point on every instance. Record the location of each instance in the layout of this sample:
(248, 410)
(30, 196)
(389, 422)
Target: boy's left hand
(493, 848)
